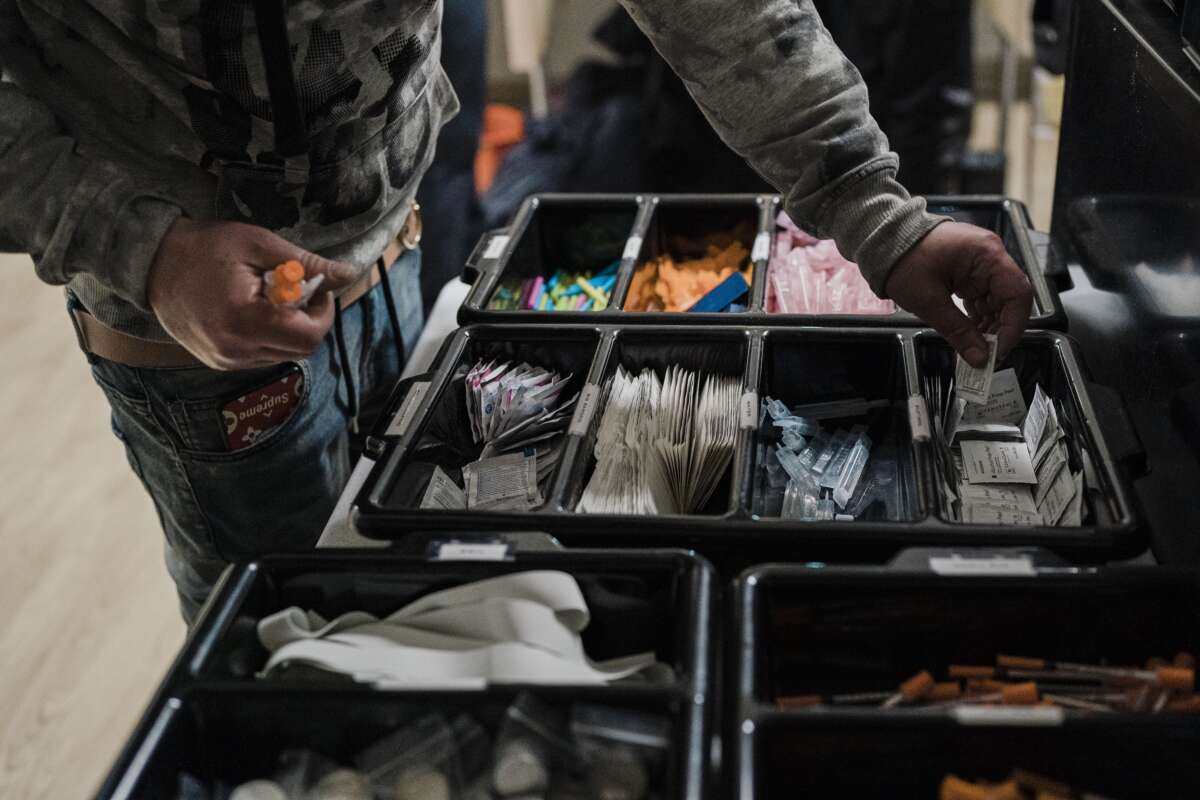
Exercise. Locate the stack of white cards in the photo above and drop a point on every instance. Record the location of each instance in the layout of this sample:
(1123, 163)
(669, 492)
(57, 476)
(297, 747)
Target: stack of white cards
(662, 445)
(1001, 462)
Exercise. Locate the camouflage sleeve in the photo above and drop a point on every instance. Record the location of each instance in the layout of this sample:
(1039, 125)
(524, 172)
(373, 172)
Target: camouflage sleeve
(72, 213)
(776, 88)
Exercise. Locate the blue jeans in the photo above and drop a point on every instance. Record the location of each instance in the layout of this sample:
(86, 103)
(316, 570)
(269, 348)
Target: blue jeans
(217, 505)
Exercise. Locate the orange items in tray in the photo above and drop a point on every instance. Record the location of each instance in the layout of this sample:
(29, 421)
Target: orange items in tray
(669, 283)
(1161, 686)
(1020, 785)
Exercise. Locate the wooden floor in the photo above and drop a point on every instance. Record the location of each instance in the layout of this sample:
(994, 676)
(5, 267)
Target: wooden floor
(89, 620)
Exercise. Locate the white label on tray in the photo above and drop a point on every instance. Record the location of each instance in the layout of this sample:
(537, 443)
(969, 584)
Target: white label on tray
(496, 246)
(918, 418)
(1038, 716)
(408, 409)
(468, 551)
(999, 565)
(633, 246)
(585, 409)
(748, 410)
(762, 247)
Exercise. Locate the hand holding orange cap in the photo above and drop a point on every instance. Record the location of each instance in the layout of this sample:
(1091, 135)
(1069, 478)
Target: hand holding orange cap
(286, 284)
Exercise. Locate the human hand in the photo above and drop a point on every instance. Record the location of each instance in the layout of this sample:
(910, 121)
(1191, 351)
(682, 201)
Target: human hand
(206, 288)
(961, 259)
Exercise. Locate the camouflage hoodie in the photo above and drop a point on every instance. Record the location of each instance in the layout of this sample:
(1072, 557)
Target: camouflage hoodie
(117, 116)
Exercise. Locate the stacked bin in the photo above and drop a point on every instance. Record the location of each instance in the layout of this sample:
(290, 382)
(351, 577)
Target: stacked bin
(797, 365)
(826, 630)
(779, 638)
(553, 232)
(213, 719)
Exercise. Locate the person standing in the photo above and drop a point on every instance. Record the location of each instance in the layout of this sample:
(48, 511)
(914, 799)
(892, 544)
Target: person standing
(157, 159)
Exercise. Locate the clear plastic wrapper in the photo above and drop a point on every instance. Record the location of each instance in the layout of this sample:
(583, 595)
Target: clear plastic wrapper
(533, 746)
(819, 477)
(810, 276)
(429, 759)
(622, 749)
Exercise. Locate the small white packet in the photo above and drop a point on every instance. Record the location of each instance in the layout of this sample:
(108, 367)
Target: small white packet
(504, 482)
(1004, 405)
(973, 384)
(1041, 410)
(997, 462)
(443, 493)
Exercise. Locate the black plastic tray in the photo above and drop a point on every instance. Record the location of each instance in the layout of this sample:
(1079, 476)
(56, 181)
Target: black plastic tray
(798, 365)
(818, 629)
(234, 735)
(633, 228)
(210, 708)
(819, 756)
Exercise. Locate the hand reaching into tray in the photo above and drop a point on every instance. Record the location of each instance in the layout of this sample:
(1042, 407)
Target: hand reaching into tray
(959, 259)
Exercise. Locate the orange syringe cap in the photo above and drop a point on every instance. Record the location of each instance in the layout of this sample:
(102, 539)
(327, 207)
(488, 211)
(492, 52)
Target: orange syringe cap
(971, 671)
(282, 293)
(1020, 662)
(948, 690)
(798, 701)
(290, 271)
(1178, 678)
(1019, 694)
(955, 788)
(917, 686)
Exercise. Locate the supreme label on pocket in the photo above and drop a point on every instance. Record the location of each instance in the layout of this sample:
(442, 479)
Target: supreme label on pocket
(249, 416)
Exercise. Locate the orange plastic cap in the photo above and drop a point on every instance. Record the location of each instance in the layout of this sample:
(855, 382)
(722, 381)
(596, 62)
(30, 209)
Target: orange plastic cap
(798, 701)
(971, 671)
(1178, 678)
(1188, 705)
(917, 686)
(290, 271)
(285, 293)
(1019, 694)
(1005, 791)
(1020, 662)
(984, 686)
(945, 691)
(955, 788)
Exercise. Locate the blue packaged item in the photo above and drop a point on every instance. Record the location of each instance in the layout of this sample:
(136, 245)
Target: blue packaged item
(723, 295)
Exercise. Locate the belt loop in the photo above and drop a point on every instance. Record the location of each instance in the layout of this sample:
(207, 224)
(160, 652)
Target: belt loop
(73, 309)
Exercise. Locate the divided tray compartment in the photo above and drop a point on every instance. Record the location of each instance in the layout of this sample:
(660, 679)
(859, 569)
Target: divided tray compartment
(549, 231)
(576, 233)
(441, 434)
(797, 365)
(817, 629)
(212, 716)
(632, 596)
(691, 218)
(821, 756)
(817, 366)
(235, 735)
(1049, 359)
(723, 351)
